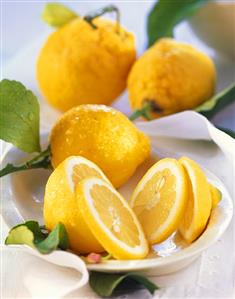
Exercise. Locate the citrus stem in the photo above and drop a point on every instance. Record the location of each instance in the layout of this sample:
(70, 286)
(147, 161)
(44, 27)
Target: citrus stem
(149, 107)
(43, 160)
(145, 112)
(100, 12)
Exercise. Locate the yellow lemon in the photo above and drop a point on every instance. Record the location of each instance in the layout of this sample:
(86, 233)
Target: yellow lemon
(82, 65)
(60, 203)
(102, 135)
(199, 201)
(111, 219)
(159, 199)
(172, 76)
(216, 195)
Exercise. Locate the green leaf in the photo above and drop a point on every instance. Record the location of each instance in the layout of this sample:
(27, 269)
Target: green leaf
(218, 102)
(57, 15)
(58, 238)
(166, 14)
(104, 284)
(19, 116)
(28, 233)
(31, 234)
(34, 227)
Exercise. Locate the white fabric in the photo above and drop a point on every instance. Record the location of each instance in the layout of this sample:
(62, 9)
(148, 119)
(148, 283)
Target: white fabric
(211, 275)
(189, 125)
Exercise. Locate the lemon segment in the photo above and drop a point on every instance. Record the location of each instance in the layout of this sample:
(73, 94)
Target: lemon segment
(111, 219)
(159, 199)
(60, 204)
(216, 195)
(199, 201)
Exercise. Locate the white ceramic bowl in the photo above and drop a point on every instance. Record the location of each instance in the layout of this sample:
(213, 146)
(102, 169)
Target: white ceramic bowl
(22, 199)
(214, 24)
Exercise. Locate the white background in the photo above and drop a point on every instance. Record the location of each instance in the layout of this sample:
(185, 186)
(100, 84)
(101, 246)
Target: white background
(21, 25)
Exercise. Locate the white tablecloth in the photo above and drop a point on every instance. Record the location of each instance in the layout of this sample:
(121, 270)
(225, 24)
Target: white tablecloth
(210, 276)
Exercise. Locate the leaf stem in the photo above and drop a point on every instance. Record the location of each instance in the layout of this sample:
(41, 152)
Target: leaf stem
(218, 102)
(93, 15)
(43, 160)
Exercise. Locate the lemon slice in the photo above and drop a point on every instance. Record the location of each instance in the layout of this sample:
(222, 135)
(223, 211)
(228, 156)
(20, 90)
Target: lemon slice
(216, 195)
(159, 199)
(60, 204)
(111, 219)
(199, 201)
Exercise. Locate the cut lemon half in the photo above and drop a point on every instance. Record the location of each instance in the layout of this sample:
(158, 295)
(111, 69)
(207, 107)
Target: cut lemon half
(159, 199)
(60, 204)
(199, 201)
(111, 219)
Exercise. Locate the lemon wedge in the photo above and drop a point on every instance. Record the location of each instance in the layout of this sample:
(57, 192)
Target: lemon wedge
(111, 219)
(216, 195)
(199, 201)
(159, 199)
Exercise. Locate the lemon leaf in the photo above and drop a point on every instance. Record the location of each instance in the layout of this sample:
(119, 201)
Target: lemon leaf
(57, 238)
(31, 234)
(28, 233)
(19, 116)
(104, 284)
(34, 227)
(218, 102)
(165, 15)
(57, 15)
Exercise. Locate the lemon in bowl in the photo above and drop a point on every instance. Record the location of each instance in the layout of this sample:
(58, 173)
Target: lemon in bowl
(103, 135)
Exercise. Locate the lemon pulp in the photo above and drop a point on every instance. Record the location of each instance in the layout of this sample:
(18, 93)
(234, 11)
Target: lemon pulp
(111, 219)
(199, 202)
(115, 216)
(159, 199)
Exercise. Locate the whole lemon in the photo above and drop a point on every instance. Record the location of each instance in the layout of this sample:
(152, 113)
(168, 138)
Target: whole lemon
(82, 65)
(172, 77)
(103, 135)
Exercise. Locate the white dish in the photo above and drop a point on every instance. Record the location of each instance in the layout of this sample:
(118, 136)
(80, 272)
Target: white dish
(23, 199)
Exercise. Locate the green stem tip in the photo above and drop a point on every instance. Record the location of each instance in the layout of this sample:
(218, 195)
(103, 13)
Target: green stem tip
(43, 160)
(100, 12)
(145, 111)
